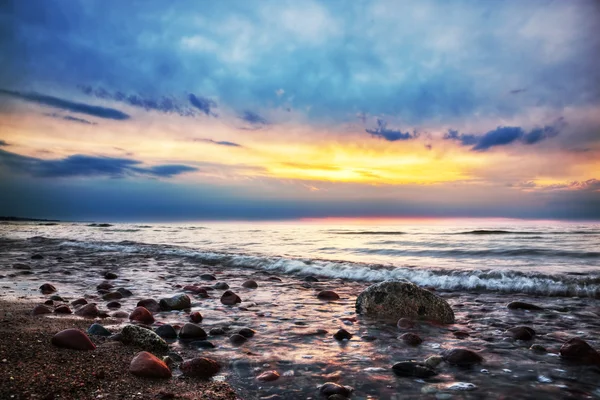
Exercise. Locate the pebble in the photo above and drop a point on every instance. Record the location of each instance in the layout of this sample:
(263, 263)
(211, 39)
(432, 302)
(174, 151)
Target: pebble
(221, 286)
(216, 331)
(328, 295)
(247, 332)
(413, 369)
(192, 331)
(166, 331)
(537, 348)
(88, 311)
(146, 365)
(520, 333)
(342, 334)
(461, 386)
(113, 305)
(98, 330)
(125, 292)
(433, 361)
(112, 296)
(237, 339)
(250, 284)
(63, 309)
(150, 304)
(104, 286)
(40, 310)
(47, 288)
(268, 376)
(203, 344)
(177, 302)
(141, 314)
(79, 302)
(196, 317)
(208, 277)
(37, 257)
(110, 275)
(200, 367)
(73, 339)
(229, 298)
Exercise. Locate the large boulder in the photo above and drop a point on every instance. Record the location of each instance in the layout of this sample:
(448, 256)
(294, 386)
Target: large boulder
(392, 300)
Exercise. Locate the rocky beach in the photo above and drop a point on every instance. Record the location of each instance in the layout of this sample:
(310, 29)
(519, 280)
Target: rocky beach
(88, 323)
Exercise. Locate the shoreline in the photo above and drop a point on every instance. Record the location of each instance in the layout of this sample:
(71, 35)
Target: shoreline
(293, 331)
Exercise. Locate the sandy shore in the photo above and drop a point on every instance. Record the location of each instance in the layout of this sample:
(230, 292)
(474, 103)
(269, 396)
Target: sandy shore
(31, 368)
(293, 334)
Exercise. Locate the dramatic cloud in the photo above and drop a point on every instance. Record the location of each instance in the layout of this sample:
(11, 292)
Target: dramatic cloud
(87, 166)
(220, 143)
(505, 135)
(202, 104)
(95, 111)
(391, 135)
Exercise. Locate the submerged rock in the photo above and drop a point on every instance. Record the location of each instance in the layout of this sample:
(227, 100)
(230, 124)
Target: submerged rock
(73, 339)
(579, 351)
(462, 357)
(221, 286)
(192, 331)
(177, 302)
(246, 332)
(150, 304)
(250, 284)
(520, 333)
(413, 369)
(47, 288)
(237, 339)
(98, 330)
(147, 365)
(143, 338)
(519, 305)
(328, 295)
(331, 388)
(196, 317)
(342, 334)
(166, 331)
(393, 300)
(229, 298)
(411, 339)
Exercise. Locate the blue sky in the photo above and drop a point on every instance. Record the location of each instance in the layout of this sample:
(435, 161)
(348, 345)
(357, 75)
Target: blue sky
(286, 109)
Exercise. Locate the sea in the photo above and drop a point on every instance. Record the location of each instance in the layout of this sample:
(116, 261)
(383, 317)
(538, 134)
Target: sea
(547, 258)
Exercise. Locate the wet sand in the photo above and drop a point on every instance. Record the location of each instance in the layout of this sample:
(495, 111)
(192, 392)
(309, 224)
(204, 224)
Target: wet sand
(294, 334)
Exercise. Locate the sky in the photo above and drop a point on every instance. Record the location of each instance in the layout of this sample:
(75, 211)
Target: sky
(275, 109)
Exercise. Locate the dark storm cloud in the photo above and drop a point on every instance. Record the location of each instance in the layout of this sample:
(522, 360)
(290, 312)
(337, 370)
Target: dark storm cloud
(67, 105)
(391, 135)
(80, 165)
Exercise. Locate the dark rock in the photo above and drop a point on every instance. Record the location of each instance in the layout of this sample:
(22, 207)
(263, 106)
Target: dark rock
(79, 302)
(192, 331)
(328, 295)
(166, 331)
(150, 305)
(88, 311)
(229, 298)
(411, 339)
(268, 376)
(537, 348)
(147, 365)
(49, 302)
(22, 267)
(310, 278)
(125, 292)
(342, 334)
(112, 296)
(196, 290)
(462, 357)
(47, 288)
(237, 339)
(104, 286)
(200, 367)
(368, 338)
(73, 339)
(203, 344)
(274, 279)
(579, 351)
(63, 309)
(413, 369)
(216, 331)
(405, 323)
(175, 356)
(141, 314)
(221, 286)
(37, 257)
(113, 305)
(57, 298)
(196, 317)
(246, 332)
(40, 310)
(144, 338)
(519, 305)
(521, 333)
(120, 314)
(208, 277)
(461, 334)
(110, 275)
(250, 284)
(98, 330)
(177, 302)
(393, 300)
(331, 388)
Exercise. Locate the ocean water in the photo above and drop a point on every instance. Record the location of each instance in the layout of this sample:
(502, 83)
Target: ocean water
(535, 257)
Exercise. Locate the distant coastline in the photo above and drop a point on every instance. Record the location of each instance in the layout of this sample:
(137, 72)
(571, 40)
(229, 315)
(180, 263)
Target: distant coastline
(21, 219)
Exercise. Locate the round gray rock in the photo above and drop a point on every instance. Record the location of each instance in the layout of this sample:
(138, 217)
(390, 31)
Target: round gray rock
(392, 300)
